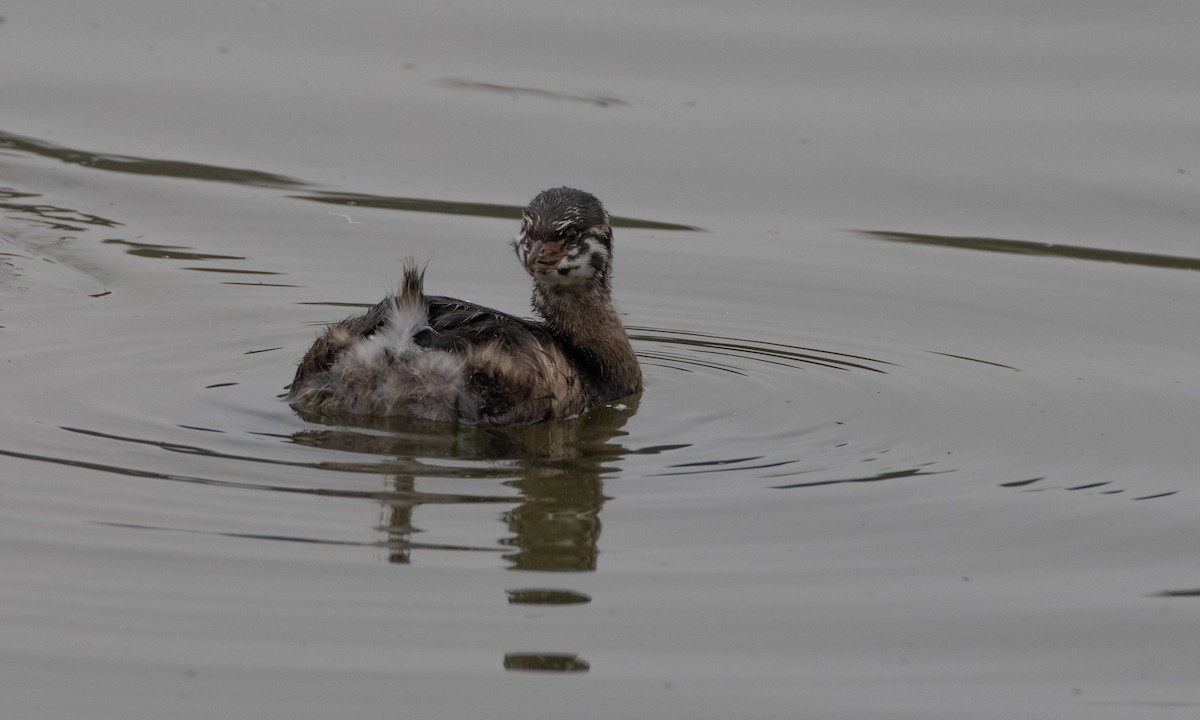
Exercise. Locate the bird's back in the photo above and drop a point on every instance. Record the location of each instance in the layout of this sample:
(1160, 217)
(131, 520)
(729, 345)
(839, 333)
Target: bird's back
(441, 359)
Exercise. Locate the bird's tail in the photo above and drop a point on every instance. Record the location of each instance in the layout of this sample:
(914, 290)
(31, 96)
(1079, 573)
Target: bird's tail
(412, 292)
(408, 313)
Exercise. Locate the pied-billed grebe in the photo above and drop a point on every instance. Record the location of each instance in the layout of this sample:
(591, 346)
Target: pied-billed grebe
(439, 358)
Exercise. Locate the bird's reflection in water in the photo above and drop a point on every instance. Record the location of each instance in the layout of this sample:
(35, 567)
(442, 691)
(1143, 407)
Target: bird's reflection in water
(555, 469)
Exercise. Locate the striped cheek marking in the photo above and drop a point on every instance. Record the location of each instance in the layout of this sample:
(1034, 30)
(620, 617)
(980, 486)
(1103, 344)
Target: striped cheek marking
(582, 262)
(521, 245)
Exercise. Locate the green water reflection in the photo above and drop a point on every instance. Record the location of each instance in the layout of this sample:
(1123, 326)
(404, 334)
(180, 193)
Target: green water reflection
(257, 178)
(1026, 247)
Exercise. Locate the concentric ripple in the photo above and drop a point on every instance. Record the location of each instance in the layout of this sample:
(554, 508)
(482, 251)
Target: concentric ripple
(793, 416)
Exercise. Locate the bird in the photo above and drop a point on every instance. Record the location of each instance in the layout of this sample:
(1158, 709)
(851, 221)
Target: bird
(438, 358)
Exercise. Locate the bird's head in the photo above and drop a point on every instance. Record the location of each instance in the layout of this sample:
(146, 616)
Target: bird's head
(565, 239)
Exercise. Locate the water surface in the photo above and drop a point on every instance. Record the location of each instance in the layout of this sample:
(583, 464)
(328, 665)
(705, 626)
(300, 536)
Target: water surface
(912, 286)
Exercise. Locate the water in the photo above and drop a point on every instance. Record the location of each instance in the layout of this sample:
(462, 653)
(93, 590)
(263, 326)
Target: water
(912, 286)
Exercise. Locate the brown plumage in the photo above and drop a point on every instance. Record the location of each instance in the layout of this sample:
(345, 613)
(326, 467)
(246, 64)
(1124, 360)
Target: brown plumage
(445, 359)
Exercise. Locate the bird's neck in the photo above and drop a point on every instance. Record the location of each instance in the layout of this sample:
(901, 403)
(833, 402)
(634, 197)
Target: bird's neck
(585, 320)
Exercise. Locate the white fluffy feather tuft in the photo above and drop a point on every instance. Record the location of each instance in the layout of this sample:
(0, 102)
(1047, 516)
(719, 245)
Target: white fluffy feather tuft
(387, 373)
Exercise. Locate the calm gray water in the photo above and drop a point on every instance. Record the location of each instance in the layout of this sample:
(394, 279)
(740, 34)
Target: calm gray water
(913, 285)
